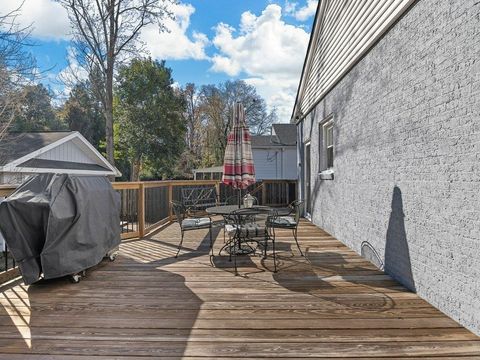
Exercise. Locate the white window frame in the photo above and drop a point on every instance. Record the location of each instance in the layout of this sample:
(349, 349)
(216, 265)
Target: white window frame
(326, 172)
(326, 127)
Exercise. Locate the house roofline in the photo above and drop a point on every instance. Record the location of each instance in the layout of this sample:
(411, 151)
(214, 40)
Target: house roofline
(295, 119)
(306, 64)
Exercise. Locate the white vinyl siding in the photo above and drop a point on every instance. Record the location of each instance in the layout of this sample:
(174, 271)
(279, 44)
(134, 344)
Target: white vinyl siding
(345, 31)
(68, 151)
(275, 163)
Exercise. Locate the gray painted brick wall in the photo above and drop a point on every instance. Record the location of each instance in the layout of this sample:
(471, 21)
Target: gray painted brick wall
(407, 155)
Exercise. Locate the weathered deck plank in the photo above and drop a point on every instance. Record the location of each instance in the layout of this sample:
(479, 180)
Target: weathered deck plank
(149, 304)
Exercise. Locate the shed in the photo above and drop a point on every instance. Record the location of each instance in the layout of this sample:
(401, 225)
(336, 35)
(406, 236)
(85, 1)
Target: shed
(66, 152)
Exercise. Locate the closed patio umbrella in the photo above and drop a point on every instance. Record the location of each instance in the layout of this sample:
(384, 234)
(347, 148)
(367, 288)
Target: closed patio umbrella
(238, 167)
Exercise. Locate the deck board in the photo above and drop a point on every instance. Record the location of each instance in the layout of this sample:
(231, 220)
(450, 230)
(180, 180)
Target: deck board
(333, 304)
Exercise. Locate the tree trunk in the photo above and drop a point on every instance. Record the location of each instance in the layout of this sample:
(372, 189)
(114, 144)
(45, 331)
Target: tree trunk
(109, 85)
(136, 167)
(109, 123)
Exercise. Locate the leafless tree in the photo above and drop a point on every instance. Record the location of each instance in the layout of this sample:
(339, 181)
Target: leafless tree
(105, 32)
(216, 104)
(17, 68)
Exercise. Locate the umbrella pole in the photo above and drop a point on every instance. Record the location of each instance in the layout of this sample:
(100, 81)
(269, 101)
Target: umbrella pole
(239, 197)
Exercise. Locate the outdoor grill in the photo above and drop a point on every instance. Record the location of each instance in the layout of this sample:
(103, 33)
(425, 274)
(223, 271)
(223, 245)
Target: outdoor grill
(58, 225)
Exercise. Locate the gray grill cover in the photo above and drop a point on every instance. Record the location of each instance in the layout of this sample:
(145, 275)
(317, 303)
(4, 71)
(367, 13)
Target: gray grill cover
(60, 224)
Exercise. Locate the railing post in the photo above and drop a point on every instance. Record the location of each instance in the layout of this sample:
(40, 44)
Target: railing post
(141, 210)
(217, 189)
(170, 198)
(264, 193)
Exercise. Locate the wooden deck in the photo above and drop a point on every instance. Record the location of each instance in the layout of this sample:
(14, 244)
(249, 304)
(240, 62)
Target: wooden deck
(149, 304)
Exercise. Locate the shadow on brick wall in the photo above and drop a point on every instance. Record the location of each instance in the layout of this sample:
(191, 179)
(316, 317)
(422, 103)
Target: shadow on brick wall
(397, 255)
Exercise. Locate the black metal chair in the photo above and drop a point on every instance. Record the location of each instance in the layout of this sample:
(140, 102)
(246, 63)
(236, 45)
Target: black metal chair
(286, 222)
(190, 223)
(197, 199)
(227, 219)
(242, 229)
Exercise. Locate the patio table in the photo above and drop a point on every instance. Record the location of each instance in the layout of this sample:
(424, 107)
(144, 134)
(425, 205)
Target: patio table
(225, 210)
(239, 243)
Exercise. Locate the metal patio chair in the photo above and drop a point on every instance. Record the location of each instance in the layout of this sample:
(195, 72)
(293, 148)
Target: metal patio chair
(286, 222)
(243, 229)
(197, 199)
(190, 223)
(227, 219)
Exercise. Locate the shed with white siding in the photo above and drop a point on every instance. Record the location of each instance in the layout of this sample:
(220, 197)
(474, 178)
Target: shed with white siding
(66, 152)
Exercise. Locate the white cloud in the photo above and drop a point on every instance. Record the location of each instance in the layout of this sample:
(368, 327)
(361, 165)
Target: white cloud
(290, 7)
(266, 49)
(69, 76)
(176, 44)
(307, 11)
(49, 19)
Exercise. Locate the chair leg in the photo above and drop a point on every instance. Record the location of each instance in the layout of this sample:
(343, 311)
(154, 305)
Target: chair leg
(232, 241)
(296, 240)
(211, 240)
(235, 255)
(265, 246)
(179, 245)
(274, 254)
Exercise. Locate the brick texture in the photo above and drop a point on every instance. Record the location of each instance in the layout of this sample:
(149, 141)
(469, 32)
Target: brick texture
(407, 155)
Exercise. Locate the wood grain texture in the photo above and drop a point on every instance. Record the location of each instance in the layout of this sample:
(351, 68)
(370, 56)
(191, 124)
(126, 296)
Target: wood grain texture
(147, 304)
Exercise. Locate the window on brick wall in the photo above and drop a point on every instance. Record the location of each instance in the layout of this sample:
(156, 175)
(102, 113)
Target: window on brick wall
(328, 130)
(326, 145)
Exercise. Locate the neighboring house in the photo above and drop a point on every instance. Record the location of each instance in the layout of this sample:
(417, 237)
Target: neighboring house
(274, 156)
(68, 152)
(388, 114)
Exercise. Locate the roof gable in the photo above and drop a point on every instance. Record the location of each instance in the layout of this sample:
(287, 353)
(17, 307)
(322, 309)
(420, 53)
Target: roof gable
(16, 145)
(286, 134)
(68, 152)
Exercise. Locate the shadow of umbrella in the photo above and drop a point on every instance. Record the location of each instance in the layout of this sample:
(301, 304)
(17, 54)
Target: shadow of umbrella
(397, 254)
(322, 275)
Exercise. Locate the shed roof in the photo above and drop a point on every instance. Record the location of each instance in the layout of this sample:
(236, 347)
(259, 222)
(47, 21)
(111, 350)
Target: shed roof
(23, 152)
(16, 145)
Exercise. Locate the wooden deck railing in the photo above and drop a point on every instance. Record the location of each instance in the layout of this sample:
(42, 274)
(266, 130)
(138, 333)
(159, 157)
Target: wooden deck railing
(145, 205)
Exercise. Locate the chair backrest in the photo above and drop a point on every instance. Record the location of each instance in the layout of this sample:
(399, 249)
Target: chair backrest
(179, 211)
(297, 206)
(245, 215)
(193, 196)
(231, 200)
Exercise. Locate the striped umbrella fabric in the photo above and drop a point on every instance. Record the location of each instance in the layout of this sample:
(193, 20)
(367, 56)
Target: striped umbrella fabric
(238, 167)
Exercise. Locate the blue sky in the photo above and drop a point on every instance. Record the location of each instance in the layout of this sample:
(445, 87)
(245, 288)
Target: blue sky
(260, 41)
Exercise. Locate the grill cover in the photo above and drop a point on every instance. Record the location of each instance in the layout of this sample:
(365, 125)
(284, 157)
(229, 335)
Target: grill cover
(60, 224)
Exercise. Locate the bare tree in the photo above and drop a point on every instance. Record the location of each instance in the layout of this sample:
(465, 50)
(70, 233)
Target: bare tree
(216, 103)
(192, 115)
(105, 32)
(17, 68)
